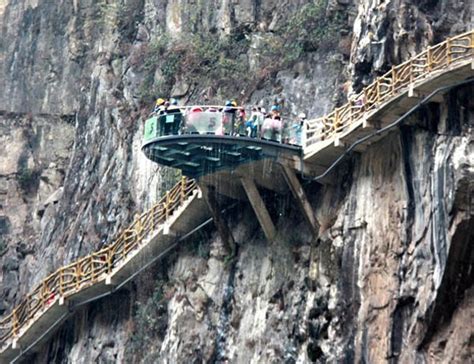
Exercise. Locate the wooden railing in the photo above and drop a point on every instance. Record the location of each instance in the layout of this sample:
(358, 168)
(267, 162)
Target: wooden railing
(397, 80)
(95, 267)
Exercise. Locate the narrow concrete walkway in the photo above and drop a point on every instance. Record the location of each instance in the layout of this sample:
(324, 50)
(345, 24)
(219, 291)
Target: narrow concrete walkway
(151, 236)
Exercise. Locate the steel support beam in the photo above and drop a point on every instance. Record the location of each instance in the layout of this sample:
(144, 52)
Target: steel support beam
(210, 196)
(259, 208)
(300, 197)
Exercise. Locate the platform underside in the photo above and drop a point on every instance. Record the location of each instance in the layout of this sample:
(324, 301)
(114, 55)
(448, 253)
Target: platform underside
(202, 155)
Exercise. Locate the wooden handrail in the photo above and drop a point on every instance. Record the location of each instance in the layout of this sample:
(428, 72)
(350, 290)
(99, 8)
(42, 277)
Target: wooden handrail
(392, 83)
(88, 270)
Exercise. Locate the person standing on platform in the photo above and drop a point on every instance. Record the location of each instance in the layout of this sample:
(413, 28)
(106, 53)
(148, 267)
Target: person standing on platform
(241, 122)
(228, 117)
(298, 127)
(158, 110)
(174, 110)
(158, 105)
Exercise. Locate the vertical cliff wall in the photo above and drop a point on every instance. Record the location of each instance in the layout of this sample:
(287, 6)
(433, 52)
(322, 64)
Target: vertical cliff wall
(390, 279)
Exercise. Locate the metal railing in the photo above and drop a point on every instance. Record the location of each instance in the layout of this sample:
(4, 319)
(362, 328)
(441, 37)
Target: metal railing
(390, 85)
(89, 270)
(221, 120)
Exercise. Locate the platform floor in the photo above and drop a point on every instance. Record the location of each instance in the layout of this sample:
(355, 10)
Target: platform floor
(200, 155)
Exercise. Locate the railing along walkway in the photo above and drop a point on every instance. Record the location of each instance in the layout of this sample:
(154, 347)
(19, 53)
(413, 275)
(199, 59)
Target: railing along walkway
(434, 61)
(100, 267)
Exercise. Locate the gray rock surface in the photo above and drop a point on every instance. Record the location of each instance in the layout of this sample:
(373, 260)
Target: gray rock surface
(389, 280)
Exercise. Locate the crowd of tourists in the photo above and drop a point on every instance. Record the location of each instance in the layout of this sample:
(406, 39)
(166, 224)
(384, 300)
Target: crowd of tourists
(230, 119)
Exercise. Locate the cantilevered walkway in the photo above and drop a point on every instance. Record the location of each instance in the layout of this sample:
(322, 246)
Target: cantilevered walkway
(150, 236)
(236, 167)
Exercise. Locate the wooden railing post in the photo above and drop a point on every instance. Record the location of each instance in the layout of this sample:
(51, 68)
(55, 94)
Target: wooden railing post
(377, 89)
(183, 189)
(394, 79)
(42, 292)
(78, 275)
(91, 263)
(448, 51)
(471, 44)
(15, 322)
(138, 226)
(154, 217)
(61, 282)
(110, 255)
(365, 100)
(429, 59)
(167, 205)
(125, 243)
(351, 109)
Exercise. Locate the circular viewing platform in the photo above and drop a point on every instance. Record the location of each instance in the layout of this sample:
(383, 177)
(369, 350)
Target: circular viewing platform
(202, 140)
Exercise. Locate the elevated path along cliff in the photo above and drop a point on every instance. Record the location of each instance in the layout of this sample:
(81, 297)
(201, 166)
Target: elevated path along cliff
(388, 98)
(237, 167)
(150, 236)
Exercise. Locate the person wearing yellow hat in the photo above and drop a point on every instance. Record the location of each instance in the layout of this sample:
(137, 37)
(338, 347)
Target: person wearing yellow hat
(158, 104)
(160, 111)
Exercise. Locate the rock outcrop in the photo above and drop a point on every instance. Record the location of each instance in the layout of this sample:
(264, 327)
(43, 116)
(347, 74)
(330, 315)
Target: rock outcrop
(390, 278)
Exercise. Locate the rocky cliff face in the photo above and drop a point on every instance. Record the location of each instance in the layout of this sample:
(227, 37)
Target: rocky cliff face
(389, 280)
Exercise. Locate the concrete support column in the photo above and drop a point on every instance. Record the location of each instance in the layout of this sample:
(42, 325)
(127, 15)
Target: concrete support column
(209, 195)
(300, 197)
(259, 208)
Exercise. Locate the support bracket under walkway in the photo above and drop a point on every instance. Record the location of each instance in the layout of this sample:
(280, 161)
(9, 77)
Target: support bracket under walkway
(301, 199)
(210, 196)
(259, 208)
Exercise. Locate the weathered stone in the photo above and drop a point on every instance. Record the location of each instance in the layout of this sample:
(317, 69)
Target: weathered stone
(10, 264)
